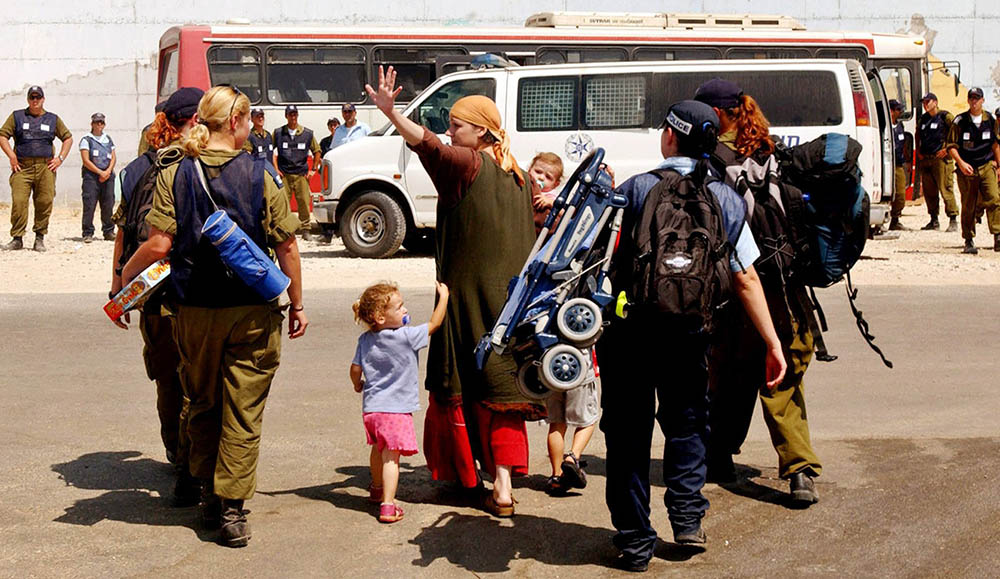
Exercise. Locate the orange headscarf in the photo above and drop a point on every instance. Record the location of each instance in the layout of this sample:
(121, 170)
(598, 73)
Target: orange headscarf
(482, 112)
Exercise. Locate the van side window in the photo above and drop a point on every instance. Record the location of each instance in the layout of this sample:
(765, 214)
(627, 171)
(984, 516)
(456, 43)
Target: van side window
(614, 101)
(320, 74)
(433, 111)
(238, 66)
(789, 98)
(547, 104)
(415, 66)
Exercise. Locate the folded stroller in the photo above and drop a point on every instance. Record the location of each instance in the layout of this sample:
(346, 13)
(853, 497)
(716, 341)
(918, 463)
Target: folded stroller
(553, 310)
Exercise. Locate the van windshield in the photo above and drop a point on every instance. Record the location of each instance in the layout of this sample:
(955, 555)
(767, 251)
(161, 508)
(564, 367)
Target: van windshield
(433, 111)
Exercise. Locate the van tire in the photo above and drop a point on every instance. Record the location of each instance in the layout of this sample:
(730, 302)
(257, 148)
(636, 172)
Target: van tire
(373, 225)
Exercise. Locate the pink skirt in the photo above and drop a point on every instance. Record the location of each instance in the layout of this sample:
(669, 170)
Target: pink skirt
(391, 430)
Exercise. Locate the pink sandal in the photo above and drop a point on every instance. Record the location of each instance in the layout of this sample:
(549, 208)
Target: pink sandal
(390, 513)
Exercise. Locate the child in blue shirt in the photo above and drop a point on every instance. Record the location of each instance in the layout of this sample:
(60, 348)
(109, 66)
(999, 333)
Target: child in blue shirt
(386, 358)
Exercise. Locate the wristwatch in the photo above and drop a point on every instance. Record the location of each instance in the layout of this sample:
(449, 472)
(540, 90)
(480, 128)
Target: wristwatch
(62, 159)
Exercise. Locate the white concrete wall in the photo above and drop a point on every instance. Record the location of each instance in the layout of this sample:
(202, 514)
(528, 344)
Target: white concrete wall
(99, 55)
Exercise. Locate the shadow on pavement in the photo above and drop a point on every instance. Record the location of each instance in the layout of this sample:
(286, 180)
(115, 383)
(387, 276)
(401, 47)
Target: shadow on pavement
(744, 486)
(460, 538)
(138, 492)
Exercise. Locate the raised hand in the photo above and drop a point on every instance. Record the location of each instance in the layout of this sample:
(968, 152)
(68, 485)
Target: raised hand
(385, 97)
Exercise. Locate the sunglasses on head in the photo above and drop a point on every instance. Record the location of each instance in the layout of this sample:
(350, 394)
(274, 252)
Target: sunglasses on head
(236, 96)
(35, 97)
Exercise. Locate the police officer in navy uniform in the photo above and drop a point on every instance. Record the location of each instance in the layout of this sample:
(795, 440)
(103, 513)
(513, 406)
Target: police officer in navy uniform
(655, 371)
(972, 143)
(33, 166)
(292, 145)
(899, 162)
(937, 169)
(260, 143)
(97, 151)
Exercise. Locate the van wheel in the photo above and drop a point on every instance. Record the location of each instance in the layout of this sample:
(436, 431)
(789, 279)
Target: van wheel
(373, 226)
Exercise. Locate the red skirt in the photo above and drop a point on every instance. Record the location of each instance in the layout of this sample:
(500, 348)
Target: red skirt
(503, 440)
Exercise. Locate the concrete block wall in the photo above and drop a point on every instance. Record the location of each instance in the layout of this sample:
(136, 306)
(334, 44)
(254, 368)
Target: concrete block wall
(100, 55)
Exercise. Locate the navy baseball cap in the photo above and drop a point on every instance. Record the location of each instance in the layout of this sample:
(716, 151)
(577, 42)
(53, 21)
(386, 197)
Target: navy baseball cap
(719, 93)
(895, 105)
(696, 124)
(929, 97)
(97, 118)
(975, 93)
(257, 113)
(36, 90)
(347, 107)
(183, 104)
(291, 109)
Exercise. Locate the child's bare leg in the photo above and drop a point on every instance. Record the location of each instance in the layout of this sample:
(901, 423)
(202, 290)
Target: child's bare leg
(502, 485)
(556, 441)
(375, 464)
(390, 475)
(581, 438)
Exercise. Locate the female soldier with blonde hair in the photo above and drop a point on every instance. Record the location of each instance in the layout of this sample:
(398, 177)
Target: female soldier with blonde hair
(484, 233)
(736, 373)
(229, 338)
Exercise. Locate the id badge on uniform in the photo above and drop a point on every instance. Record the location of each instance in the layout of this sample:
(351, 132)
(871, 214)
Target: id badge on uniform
(902, 137)
(284, 145)
(300, 146)
(933, 125)
(25, 126)
(966, 136)
(986, 135)
(45, 127)
(260, 148)
(95, 153)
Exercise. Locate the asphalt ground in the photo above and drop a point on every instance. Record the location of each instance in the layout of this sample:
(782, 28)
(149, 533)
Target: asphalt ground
(909, 487)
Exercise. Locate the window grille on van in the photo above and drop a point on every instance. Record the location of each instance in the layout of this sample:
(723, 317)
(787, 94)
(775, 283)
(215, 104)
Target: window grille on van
(614, 101)
(546, 104)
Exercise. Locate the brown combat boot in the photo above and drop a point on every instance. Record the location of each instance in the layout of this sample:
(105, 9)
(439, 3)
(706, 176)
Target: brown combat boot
(952, 225)
(39, 242)
(14, 244)
(235, 530)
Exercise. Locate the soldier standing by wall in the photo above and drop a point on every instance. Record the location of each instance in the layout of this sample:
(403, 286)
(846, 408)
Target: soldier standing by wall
(98, 153)
(33, 168)
(937, 169)
(972, 143)
(260, 143)
(292, 145)
(899, 160)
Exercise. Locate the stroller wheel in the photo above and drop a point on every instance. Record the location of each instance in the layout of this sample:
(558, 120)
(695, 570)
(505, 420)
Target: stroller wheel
(579, 321)
(528, 383)
(563, 367)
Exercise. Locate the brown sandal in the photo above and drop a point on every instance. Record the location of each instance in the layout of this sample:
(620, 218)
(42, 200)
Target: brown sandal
(498, 510)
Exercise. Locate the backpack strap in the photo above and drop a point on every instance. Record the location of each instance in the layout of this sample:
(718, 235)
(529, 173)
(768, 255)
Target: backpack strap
(814, 316)
(852, 295)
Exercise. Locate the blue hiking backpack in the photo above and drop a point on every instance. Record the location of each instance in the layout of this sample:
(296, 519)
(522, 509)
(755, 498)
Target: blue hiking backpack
(834, 212)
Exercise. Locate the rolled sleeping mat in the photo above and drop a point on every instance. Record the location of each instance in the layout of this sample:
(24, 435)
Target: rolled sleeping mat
(244, 257)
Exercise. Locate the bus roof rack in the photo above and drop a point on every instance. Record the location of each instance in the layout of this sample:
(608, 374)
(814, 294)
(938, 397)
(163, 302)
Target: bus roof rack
(661, 20)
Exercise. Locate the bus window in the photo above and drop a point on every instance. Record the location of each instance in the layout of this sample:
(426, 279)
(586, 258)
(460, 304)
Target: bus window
(858, 54)
(307, 74)
(415, 66)
(897, 86)
(168, 73)
(576, 55)
(547, 104)
(794, 98)
(694, 53)
(433, 112)
(614, 101)
(766, 53)
(238, 66)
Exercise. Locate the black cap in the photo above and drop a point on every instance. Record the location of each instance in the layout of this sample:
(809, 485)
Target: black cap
(257, 113)
(36, 90)
(348, 107)
(719, 93)
(929, 97)
(183, 104)
(695, 124)
(895, 105)
(291, 109)
(975, 93)
(97, 118)
(332, 121)
(159, 106)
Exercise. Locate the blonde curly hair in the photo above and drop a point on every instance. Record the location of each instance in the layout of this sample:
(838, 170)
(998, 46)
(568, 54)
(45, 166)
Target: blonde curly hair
(373, 302)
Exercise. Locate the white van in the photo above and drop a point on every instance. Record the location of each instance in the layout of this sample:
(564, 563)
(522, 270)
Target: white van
(377, 195)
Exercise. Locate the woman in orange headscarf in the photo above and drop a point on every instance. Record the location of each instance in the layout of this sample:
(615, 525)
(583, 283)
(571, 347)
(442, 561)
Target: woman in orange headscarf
(484, 233)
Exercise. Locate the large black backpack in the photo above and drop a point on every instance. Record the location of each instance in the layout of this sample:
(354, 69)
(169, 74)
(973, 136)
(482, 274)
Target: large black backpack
(139, 201)
(679, 252)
